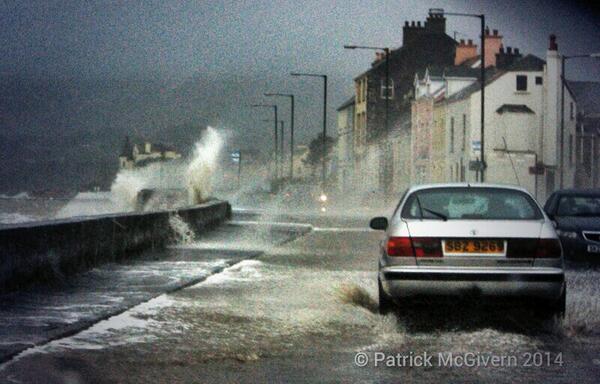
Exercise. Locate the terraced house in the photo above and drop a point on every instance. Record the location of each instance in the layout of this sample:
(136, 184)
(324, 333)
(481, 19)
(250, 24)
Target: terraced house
(379, 155)
(523, 139)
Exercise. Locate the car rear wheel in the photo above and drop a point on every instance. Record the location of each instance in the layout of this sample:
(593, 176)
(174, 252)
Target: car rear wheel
(386, 305)
(556, 309)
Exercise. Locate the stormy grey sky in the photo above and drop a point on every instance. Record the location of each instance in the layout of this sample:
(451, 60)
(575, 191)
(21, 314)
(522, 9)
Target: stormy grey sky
(262, 40)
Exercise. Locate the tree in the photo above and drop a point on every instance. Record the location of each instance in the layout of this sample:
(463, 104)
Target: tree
(315, 151)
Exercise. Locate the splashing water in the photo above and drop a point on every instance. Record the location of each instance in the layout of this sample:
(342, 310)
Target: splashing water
(356, 295)
(182, 232)
(169, 184)
(202, 167)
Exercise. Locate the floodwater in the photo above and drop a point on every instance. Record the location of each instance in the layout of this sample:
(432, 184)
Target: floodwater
(303, 308)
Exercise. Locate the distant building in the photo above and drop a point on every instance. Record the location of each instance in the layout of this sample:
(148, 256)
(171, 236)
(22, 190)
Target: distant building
(138, 155)
(301, 170)
(345, 126)
(587, 97)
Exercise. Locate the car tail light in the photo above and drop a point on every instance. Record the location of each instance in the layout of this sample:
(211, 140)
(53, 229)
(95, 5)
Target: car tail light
(522, 248)
(427, 247)
(548, 248)
(400, 246)
(414, 247)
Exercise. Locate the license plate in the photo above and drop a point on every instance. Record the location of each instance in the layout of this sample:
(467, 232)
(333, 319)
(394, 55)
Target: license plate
(474, 247)
(591, 248)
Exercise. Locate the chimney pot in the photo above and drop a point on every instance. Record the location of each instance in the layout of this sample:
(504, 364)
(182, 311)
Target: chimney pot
(412, 23)
(470, 42)
(406, 23)
(487, 31)
(516, 51)
(509, 50)
(418, 23)
(501, 49)
(553, 45)
(495, 32)
(462, 41)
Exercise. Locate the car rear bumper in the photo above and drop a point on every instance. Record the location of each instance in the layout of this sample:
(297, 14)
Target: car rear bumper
(576, 249)
(401, 282)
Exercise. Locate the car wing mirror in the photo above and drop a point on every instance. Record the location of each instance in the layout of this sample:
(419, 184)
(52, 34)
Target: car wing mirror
(379, 223)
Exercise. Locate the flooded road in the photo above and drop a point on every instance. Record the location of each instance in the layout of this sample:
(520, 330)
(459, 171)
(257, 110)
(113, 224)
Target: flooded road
(304, 309)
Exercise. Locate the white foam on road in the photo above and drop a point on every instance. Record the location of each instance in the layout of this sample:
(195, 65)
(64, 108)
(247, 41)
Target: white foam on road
(246, 270)
(16, 218)
(128, 327)
(341, 229)
(274, 224)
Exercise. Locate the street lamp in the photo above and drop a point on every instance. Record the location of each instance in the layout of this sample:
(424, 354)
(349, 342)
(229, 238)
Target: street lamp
(324, 77)
(562, 106)
(386, 50)
(291, 96)
(482, 165)
(274, 106)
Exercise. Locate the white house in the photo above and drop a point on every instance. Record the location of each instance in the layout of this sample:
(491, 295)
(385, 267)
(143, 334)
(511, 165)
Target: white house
(522, 125)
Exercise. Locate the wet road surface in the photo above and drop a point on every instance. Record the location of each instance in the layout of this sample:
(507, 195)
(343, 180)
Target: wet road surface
(305, 311)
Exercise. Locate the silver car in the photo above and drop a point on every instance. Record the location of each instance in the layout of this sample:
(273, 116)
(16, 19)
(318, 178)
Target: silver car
(470, 240)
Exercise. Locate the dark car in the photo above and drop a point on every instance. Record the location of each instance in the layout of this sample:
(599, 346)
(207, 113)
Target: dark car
(577, 216)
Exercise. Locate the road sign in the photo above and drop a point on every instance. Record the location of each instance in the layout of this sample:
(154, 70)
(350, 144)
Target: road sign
(476, 165)
(476, 145)
(538, 169)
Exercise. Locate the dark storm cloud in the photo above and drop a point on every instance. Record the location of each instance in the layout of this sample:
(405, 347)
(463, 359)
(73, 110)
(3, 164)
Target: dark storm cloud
(236, 50)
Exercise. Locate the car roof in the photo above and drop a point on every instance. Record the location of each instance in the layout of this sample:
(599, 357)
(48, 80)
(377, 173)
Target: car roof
(469, 185)
(578, 192)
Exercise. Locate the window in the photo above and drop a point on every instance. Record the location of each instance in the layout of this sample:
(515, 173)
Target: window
(539, 80)
(452, 135)
(521, 83)
(578, 206)
(471, 204)
(389, 92)
(571, 110)
(464, 133)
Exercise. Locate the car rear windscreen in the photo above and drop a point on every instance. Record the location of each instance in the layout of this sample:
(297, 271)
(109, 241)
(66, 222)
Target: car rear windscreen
(468, 203)
(579, 206)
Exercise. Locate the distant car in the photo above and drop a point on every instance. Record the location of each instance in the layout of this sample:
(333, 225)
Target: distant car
(577, 216)
(471, 241)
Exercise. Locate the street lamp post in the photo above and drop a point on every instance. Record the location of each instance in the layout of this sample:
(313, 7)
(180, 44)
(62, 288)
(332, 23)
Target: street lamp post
(482, 165)
(274, 106)
(562, 107)
(324, 77)
(291, 96)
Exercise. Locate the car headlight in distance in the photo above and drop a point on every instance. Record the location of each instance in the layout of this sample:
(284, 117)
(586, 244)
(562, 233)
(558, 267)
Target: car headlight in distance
(323, 197)
(567, 234)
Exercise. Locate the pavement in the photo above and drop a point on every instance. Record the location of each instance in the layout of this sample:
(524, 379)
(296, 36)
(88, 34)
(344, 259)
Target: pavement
(296, 302)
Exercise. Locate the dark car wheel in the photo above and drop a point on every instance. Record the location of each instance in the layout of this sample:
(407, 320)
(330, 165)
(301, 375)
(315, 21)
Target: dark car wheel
(386, 305)
(554, 310)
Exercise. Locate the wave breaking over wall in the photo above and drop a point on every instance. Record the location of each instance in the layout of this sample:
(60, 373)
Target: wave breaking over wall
(166, 185)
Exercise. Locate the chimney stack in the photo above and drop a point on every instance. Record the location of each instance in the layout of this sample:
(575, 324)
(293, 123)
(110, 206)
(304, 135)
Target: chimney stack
(553, 45)
(492, 44)
(505, 58)
(465, 51)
